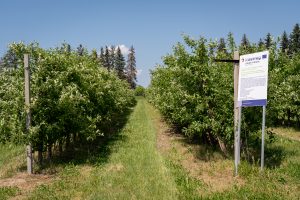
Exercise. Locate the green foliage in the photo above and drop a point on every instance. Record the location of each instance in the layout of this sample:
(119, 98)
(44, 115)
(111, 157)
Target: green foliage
(222, 46)
(187, 90)
(245, 43)
(71, 94)
(196, 94)
(284, 96)
(268, 41)
(139, 91)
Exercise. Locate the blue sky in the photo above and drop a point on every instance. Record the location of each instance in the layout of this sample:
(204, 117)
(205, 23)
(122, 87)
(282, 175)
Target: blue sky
(152, 27)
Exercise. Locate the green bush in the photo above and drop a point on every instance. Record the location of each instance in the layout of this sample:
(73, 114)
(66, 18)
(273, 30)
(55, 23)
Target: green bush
(71, 95)
(196, 94)
(139, 91)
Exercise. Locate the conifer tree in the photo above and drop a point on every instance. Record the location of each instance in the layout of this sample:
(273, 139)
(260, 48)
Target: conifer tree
(131, 68)
(222, 46)
(9, 60)
(245, 44)
(106, 58)
(112, 57)
(68, 48)
(94, 55)
(80, 50)
(120, 64)
(231, 42)
(268, 41)
(65, 48)
(284, 43)
(295, 39)
(261, 44)
(101, 56)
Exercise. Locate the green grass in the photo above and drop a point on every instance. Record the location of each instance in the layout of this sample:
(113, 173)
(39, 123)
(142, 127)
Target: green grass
(9, 164)
(6, 192)
(279, 180)
(10, 157)
(134, 169)
(130, 166)
(290, 133)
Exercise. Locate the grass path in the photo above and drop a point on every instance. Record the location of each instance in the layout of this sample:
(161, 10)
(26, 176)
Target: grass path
(134, 170)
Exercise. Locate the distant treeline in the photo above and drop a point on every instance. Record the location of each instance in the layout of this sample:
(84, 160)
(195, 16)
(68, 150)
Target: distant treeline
(109, 57)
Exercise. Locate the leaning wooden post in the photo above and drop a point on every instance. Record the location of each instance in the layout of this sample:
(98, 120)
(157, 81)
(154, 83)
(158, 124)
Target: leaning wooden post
(236, 112)
(28, 113)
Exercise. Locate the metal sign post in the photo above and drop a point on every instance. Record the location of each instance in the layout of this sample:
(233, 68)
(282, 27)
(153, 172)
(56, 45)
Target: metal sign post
(262, 159)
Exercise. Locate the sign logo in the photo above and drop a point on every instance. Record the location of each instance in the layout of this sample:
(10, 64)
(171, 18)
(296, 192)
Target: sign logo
(264, 56)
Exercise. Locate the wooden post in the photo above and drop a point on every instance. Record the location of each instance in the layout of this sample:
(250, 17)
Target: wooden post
(28, 113)
(236, 111)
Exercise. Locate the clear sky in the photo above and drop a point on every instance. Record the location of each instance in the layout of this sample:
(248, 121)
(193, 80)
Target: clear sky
(151, 26)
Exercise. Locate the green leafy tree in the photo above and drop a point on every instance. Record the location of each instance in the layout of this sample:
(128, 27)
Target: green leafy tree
(190, 92)
(71, 98)
(139, 91)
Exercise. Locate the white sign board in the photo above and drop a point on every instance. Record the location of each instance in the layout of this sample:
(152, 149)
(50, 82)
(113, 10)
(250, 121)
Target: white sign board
(253, 79)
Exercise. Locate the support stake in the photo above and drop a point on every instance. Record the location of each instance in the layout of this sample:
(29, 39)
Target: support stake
(28, 113)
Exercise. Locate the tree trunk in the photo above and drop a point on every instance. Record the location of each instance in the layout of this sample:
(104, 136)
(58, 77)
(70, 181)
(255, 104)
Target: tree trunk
(74, 138)
(49, 152)
(222, 146)
(68, 142)
(289, 117)
(60, 148)
(40, 153)
(40, 157)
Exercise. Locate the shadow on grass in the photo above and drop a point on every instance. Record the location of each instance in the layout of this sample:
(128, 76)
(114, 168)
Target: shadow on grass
(96, 152)
(274, 156)
(201, 150)
(275, 152)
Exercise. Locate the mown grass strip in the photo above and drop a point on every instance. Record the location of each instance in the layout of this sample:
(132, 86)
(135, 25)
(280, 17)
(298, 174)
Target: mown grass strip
(134, 169)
